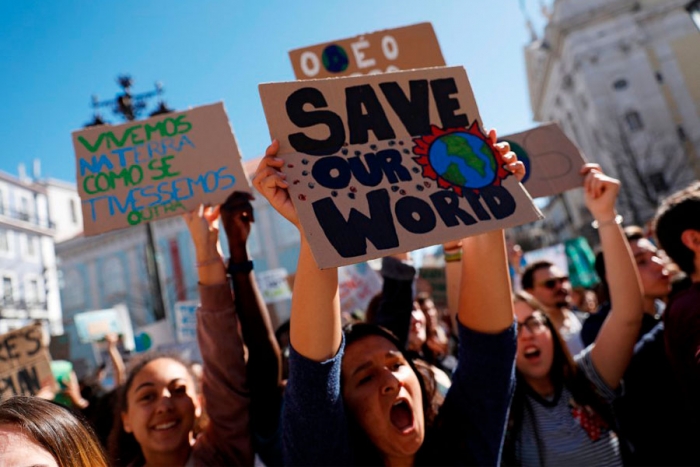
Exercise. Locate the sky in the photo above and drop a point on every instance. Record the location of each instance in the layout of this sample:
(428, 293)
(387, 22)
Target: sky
(55, 55)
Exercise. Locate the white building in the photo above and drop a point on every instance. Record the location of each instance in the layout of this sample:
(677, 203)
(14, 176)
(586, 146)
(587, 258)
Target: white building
(29, 281)
(622, 78)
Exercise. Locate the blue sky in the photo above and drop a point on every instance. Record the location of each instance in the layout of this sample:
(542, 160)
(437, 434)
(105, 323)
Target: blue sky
(55, 55)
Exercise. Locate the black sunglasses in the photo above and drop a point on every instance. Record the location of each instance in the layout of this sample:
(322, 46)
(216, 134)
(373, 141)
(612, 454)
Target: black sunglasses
(535, 323)
(551, 283)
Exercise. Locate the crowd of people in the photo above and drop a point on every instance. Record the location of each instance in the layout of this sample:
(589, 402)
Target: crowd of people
(515, 378)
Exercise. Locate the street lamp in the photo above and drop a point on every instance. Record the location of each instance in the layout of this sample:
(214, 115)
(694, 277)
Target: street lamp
(129, 106)
(694, 11)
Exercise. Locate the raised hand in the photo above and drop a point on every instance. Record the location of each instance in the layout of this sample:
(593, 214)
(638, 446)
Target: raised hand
(204, 229)
(236, 218)
(271, 183)
(600, 192)
(512, 164)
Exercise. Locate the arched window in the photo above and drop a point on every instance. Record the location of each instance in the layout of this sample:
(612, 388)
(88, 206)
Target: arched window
(620, 84)
(634, 120)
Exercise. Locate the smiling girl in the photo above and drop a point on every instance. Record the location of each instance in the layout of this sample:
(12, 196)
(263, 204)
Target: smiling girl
(354, 398)
(161, 402)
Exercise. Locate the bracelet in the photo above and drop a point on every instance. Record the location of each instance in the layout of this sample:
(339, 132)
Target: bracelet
(453, 257)
(208, 262)
(244, 267)
(616, 220)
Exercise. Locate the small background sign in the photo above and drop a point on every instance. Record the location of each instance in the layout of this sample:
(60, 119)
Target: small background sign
(273, 285)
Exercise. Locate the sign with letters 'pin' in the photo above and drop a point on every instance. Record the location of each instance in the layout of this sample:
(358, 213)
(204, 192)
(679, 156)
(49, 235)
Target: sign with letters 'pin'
(25, 363)
(552, 161)
(404, 48)
(160, 167)
(384, 164)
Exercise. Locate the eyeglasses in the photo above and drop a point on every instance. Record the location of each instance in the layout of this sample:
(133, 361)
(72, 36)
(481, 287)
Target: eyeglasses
(551, 283)
(534, 323)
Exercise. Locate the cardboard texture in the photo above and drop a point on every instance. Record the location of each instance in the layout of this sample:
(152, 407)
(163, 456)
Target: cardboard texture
(404, 48)
(552, 160)
(152, 169)
(25, 362)
(390, 163)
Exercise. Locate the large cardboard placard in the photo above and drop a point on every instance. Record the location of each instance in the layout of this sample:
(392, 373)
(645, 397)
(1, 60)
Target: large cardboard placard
(156, 168)
(25, 363)
(390, 163)
(552, 160)
(404, 48)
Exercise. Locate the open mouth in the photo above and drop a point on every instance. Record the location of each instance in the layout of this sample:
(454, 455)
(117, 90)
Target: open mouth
(531, 353)
(402, 415)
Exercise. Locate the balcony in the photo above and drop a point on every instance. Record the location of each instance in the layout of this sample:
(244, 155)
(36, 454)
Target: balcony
(11, 308)
(24, 218)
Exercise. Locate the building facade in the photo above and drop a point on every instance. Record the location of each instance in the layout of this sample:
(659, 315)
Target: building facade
(622, 79)
(28, 272)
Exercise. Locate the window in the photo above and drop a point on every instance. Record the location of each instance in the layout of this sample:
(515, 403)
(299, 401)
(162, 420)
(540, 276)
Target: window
(24, 209)
(681, 134)
(2, 202)
(584, 102)
(658, 181)
(73, 212)
(4, 241)
(31, 246)
(8, 293)
(31, 294)
(620, 85)
(634, 120)
(659, 77)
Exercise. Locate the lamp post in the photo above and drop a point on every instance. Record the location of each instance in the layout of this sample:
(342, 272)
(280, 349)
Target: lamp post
(129, 106)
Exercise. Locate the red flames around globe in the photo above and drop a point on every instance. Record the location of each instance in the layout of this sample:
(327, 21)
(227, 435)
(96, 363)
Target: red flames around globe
(422, 149)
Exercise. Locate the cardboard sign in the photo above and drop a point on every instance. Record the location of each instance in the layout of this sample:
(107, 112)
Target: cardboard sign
(186, 321)
(273, 285)
(552, 160)
(390, 163)
(152, 169)
(93, 326)
(357, 284)
(25, 362)
(405, 48)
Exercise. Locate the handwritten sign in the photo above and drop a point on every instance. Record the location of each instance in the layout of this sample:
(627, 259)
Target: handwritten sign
(25, 362)
(357, 284)
(186, 321)
(551, 159)
(273, 285)
(404, 48)
(152, 169)
(390, 163)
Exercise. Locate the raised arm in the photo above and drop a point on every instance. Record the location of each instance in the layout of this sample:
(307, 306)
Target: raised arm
(315, 325)
(226, 438)
(264, 367)
(614, 345)
(117, 361)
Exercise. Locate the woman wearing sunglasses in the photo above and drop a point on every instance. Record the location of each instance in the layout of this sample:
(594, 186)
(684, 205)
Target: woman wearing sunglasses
(561, 412)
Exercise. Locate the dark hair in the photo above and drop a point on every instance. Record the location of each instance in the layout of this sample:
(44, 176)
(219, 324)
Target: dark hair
(527, 281)
(71, 442)
(564, 373)
(678, 213)
(632, 233)
(367, 453)
(122, 446)
(373, 307)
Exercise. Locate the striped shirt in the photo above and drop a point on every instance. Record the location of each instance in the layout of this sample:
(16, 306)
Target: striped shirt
(568, 434)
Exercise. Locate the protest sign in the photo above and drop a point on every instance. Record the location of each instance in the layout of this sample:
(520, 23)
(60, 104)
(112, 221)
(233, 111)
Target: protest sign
(273, 285)
(93, 326)
(186, 321)
(404, 48)
(390, 163)
(154, 336)
(357, 284)
(553, 162)
(25, 362)
(156, 168)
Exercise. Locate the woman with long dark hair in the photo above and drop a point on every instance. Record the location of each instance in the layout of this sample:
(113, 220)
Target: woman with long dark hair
(354, 398)
(562, 409)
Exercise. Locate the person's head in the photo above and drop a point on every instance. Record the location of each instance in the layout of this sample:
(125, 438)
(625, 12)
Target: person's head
(536, 340)
(653, 271)
(677, 227)
(282, 336)
(418, 330)
(159, 405)
(548, 284)
(34, 431)
(389, 399)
